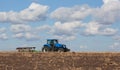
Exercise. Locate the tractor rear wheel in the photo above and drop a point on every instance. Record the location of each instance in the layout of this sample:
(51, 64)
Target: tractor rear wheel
(45, 49)
(61, 50)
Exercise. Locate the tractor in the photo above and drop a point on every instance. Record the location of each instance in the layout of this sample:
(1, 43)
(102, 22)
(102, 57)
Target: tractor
(54, 46)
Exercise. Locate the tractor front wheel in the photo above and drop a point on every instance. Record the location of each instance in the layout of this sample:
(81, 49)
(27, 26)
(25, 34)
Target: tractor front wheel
(45, 49)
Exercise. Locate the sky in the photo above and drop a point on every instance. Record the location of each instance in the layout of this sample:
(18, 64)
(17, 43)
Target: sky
(83, 25)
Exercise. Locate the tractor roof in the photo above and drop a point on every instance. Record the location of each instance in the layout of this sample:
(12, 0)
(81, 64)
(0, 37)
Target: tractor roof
(52, 39)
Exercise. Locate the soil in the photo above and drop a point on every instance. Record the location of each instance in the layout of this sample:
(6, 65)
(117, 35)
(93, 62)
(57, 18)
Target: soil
(59, 61)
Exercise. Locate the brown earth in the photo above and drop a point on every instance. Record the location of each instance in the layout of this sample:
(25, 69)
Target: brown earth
(59, 61)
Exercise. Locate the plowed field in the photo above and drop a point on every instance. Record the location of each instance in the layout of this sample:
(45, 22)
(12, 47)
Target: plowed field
(59, 61)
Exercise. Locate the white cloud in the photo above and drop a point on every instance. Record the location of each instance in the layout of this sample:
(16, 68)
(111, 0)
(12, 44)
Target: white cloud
(2, 29)
(109, 1)
(69, 30)
(20, 28)
(3, 36)
(66, 30)
(27, 36)
(65, 37)
(117, 37)
(43, 28)
(71, 14)
(24, 31)
(34, 12)
(18, 35)
(94, 28)
(108, 13)
(109, 31)
(70, 20)
(115, 46)
(83, 47)
(102, 18)
(32, 36)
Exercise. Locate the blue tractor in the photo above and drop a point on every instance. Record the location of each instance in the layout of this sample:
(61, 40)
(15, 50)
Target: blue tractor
(53, 46)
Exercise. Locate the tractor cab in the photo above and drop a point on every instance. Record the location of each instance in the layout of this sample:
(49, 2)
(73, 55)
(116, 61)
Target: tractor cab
(52, 42)
(53, 45)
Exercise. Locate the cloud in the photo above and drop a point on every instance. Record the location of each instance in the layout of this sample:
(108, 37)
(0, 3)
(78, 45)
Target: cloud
(35, 12)
(108, 13)
(109, 1)
(18, 35)
(32, 36)
(27, 36)
(61, 30)
(65, 37)
(117, 37)
(70, 30)
(2, 29)
(94, 28)
(100, 23)
(115, 46)
(66, 30)
(83, 47)
(20, 28)
(43, 28)
(71, 14)
(24, 31)
(69, 20)
(3, 36)
(109, 31)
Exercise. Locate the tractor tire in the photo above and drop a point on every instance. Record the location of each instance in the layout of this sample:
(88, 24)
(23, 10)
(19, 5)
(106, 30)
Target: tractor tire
(45, 49)
(61, 50)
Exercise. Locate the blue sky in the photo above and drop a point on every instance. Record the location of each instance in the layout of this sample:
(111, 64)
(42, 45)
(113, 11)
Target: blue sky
(83, 25)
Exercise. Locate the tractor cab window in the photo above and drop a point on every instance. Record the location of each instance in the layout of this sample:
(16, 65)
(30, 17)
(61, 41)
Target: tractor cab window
(48, 42)
(55, 41)
(52, 42)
